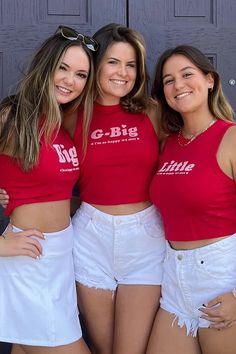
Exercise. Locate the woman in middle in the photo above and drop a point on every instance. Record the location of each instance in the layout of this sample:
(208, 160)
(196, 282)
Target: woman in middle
(119, 243)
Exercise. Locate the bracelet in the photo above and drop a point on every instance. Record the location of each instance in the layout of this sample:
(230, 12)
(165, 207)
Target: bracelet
(6, 229)
(234, 292)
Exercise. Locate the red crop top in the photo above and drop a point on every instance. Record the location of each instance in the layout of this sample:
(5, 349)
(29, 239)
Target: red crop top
(121, 157)
(196, 198)
(52, 179)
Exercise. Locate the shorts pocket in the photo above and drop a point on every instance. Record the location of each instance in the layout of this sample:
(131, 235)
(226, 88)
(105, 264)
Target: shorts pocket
(220, 266)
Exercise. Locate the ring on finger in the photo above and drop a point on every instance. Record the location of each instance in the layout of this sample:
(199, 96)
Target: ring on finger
(225, 323)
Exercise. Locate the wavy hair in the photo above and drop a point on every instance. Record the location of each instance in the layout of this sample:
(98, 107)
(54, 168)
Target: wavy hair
(21, 123)
(138, 99)
(219, 106)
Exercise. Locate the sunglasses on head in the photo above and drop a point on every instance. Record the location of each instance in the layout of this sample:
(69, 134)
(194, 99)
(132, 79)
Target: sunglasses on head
(73, 35)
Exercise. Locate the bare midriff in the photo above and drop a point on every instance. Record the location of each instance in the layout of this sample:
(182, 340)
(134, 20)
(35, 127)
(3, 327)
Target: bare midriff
(188, 245)
(123, 209)
(45, 217)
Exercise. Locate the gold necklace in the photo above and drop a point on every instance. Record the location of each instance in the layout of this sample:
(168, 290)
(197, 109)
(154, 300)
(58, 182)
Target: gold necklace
(193, 136)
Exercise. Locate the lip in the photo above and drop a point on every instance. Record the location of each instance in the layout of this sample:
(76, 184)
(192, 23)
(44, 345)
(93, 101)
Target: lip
(63, 90)
(182, 95)
(118, 82)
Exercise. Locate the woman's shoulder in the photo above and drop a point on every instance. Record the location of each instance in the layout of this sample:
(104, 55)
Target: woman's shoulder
(230, 134)
(154, 114)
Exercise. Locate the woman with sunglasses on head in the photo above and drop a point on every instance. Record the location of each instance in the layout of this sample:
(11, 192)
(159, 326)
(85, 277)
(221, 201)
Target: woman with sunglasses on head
(119, 244)
(39, 166)
(194, 189)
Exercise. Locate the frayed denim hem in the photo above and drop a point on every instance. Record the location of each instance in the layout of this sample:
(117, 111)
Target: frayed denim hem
(94, 285)
(191, 325)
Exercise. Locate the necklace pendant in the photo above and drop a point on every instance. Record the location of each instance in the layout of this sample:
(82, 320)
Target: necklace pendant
(182, 141)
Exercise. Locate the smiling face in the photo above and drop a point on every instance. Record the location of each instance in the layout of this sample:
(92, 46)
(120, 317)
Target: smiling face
(117, 73)
(185, 86)
(71, 76)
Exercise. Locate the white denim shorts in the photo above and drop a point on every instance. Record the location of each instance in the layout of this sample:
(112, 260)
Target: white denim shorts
(37, 296)
(111, 250)
(194, 277)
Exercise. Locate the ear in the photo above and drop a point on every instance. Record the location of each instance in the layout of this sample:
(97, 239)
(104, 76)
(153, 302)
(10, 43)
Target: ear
(210, 81)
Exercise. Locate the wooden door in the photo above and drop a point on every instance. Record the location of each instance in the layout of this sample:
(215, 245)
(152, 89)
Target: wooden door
(24, 24)
(207, 24)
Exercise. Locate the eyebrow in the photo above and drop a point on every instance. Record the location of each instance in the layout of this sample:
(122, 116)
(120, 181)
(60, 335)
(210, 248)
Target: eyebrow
(65, 64)
(129, 61)
(185, 68)
(80, 70)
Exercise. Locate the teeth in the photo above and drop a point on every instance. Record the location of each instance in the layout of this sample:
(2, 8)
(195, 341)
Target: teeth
(119, 82)
(63, 89)
(181, 95)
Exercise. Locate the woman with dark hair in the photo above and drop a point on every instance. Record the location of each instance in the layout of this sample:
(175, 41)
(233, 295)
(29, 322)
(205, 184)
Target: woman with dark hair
(39, 166)
(119, 244)
(195, 192)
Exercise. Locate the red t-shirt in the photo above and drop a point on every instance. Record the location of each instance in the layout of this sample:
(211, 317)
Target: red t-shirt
(121, 157)
(196, 198)
(51, 179)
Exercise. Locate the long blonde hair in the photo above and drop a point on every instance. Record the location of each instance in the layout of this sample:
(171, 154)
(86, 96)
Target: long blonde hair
(21, 123)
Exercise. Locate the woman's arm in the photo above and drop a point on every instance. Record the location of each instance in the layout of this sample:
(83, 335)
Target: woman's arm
(221, 311)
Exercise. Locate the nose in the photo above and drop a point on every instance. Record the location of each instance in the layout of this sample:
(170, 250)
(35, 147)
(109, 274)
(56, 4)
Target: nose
(179, 83)
(69, 78)
(122, 70)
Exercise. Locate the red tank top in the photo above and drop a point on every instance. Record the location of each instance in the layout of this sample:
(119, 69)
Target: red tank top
(121, 157)
(52, 179)
(196, 198)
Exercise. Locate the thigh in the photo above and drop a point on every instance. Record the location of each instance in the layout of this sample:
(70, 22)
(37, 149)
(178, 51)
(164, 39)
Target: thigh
(96, 308)
(136, 306)
(215, 341)
(17, 349)
(78, 347)
(93, 250)
(167, 337)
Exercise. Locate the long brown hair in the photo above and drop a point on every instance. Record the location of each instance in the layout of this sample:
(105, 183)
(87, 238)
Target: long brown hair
(138, 98)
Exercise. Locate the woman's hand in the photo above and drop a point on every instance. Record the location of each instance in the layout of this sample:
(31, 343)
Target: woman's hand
(21, 243)
(4, 198)
(221, 311)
